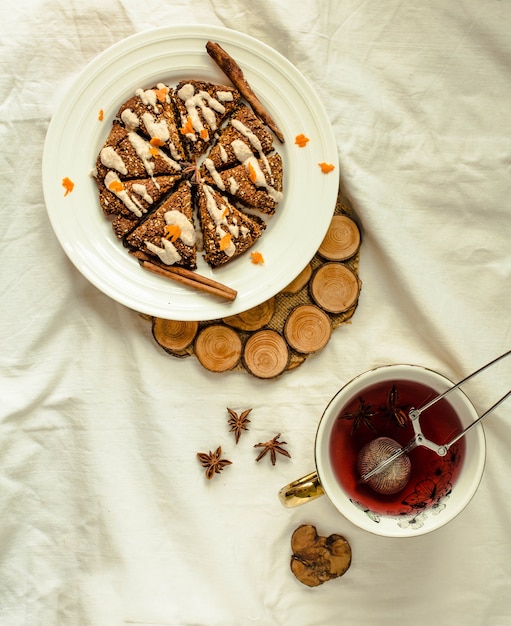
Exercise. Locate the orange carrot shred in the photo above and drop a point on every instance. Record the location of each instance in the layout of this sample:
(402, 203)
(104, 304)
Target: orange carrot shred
(172, 232)
(225, 242)
(204, 134)
(257, 258)
(101, 115)
(326, 167)
(116, 186)
(161, 94)
(187, 129)
(301, 140)
(252, 174)
(68, 185)
(153, 151)
(157, 142)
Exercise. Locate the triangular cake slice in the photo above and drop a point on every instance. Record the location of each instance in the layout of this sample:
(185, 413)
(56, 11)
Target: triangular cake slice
(255, 183)
(132, 197)
(202, 107)
(226, 231)
(128, 201)
(244, 126)
(151, 112)
(168, 234)
(132, 156)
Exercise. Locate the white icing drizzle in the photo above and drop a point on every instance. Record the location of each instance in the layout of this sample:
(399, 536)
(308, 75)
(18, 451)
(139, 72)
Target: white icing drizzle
(202, 101)
(223, 153)
(222, 227)
(144, 151)
(130, 119)
(109, 158)
(246, 132)
(174, 153)
(233, 185)
(210, 166)
(224, 96)
(255, 143)
(159, 130)
(132, 204)
(168, 254)
(141, 190)
(245, 156)
(177, 218)
(148, 97)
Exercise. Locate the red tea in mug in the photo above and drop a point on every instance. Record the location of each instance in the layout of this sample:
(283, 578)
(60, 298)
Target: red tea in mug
(382, 410)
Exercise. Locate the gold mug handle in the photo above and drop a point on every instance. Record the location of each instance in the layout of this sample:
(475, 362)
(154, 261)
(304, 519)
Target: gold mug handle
(301, 491)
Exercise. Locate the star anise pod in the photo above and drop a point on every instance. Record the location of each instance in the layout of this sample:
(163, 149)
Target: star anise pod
(273, 446)
(191, 172)
(238, 423)
(394, 411)
(213, 462)
(363, 414)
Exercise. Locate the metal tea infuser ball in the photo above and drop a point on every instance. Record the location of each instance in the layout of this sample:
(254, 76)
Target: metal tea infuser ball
(384, 465)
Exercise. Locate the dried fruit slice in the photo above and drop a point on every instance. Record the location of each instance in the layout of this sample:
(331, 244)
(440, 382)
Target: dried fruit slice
(129, 155)
(202, 107)
(152, 113)
(317, 559)
(243, 126)
(226, 231)
(168, 234)
(256, 183)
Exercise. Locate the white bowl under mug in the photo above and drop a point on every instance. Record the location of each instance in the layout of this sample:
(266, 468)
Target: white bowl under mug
(418, 516)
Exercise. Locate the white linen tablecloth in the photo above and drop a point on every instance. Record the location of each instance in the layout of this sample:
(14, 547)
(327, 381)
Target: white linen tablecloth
(107, 518)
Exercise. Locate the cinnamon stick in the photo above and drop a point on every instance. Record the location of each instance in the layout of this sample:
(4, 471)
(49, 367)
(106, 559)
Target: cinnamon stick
(233, 71)
(190, 278)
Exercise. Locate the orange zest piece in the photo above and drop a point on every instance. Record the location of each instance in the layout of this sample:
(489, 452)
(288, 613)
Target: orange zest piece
(257, 258)
(326, 167)
(301, 140)
(153, 151)
(187, 129)
(172, 232)
(116, 186)
(225, 242)
(252, 174)
(101, 115)
(68, 185)
(157, 142)
(204, 134)
(161, 94)
(225, 212)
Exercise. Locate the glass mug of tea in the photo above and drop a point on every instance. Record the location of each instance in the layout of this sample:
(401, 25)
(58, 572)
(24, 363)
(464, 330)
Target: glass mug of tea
(372, 410)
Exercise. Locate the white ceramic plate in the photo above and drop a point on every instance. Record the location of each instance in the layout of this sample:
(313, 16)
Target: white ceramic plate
(75, 137)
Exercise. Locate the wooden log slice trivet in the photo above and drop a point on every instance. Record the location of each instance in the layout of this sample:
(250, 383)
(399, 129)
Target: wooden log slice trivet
(174, 336)
(260, 341)
(334, 287)
(218, 348)
(300, 281)
(342, 239)
(308, 329)
(253, 319)
(266, 354)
